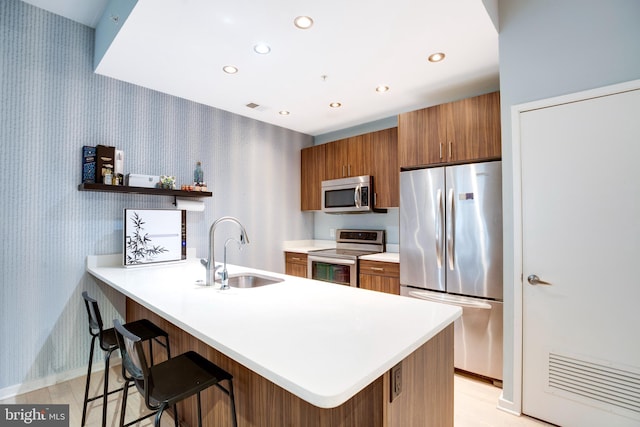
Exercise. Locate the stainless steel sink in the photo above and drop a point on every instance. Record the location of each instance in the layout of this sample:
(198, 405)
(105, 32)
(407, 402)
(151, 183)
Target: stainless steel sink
(251, 280)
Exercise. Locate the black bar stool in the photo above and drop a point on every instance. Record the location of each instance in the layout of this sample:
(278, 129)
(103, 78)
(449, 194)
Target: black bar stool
(168, 382)
(145, 329)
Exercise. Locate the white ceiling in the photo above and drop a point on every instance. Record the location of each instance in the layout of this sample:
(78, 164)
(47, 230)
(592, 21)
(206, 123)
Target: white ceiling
(180, 46)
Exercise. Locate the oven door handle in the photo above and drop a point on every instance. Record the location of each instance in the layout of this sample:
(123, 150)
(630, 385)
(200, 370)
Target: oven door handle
(339, 261)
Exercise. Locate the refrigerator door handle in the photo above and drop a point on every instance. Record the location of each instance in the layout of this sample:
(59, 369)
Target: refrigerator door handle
(451, 230)
(451, 300)
(440, 228)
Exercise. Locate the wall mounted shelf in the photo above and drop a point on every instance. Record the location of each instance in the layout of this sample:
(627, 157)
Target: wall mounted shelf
(142, 190)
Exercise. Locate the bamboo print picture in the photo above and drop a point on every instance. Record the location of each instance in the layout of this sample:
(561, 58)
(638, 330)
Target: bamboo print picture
(154, 235)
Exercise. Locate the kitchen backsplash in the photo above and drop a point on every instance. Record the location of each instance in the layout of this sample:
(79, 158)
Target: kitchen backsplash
(324, 223)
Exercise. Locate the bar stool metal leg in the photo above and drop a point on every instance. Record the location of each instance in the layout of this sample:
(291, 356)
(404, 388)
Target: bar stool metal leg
(232, 399)
(125, 393)
(86, 388)
(105, 393)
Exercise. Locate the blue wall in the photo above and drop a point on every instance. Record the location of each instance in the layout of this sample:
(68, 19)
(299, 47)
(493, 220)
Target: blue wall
(52, 105)
(550, 48)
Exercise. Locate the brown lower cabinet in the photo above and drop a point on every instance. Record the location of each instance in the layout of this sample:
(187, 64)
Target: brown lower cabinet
(380, 276)
(425, 398)
(295, 264)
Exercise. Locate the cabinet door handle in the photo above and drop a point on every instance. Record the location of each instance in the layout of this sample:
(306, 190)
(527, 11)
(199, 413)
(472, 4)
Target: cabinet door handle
(295, 258)
(343, 166)
(450, 150)
(440, 150)
(377, 268)
(349, 171)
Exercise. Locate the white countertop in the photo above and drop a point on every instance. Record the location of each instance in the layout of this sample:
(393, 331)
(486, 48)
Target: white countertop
(306, 246)
(383, 256)
(320, 341)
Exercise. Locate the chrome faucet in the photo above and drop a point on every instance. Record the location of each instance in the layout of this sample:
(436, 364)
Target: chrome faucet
(224, 275)
(210, 263)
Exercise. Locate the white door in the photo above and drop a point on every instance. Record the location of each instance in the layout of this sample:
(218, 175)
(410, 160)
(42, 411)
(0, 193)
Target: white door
(581, 233)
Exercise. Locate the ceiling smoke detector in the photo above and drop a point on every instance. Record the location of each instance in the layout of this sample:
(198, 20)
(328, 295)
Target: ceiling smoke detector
(252, 105)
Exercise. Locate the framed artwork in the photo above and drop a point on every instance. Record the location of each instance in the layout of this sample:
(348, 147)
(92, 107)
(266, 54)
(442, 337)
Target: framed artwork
(154, 236)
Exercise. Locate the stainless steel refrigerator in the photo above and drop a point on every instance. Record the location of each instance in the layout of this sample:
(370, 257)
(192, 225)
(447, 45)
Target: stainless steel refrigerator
(451, 252)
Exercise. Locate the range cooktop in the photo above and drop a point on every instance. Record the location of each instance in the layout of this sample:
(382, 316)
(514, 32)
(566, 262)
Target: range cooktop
(352, 244)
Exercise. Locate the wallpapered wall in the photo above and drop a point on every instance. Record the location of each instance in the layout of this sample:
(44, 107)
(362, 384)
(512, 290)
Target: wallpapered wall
(52, 105)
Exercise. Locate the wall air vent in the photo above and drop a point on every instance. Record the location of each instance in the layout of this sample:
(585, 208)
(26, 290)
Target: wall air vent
(253, 105)
(616, 388)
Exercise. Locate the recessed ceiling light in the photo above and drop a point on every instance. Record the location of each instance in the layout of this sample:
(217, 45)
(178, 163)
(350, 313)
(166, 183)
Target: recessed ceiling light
(284, 113)
(335, 105)
(230, 69)
(262, 48)
(382, 88)
(436, 57)
(303, 22)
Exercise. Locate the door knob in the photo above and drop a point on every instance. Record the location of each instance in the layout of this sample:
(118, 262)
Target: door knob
(535, 280)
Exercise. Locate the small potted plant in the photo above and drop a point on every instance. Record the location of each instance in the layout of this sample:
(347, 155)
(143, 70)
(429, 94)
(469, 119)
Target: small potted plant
(168, 182)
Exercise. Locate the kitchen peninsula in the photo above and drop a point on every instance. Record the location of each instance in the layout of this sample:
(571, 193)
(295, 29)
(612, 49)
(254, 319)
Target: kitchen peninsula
(302, 352)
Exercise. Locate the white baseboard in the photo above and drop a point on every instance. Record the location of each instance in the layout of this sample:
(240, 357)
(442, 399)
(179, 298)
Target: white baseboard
(26, 387)
(508, 406)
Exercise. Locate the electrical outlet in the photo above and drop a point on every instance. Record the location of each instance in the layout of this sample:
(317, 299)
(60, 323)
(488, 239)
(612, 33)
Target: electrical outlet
(396, 381)
(332, 232)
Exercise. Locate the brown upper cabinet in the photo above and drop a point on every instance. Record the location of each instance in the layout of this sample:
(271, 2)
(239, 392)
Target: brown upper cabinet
(385, 168)
(312, 161)
(348, 157)
(457, 132)
(374, 154)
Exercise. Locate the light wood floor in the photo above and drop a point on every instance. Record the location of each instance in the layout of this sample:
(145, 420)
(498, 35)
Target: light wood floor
(72, 392)
(475, 403)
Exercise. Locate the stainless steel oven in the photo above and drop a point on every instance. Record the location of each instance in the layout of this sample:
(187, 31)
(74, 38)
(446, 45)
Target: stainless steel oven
(335, 270)
(340, 265)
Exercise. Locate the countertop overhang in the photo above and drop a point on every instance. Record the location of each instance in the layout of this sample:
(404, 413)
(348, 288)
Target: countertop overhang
(322, 342)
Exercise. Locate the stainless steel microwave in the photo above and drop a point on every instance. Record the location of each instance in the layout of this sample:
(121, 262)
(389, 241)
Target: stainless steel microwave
(348, 195)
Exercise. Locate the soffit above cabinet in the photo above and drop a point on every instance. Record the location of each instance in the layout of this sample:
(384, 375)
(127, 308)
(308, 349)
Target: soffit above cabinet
(180, 48)
(87, 12)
